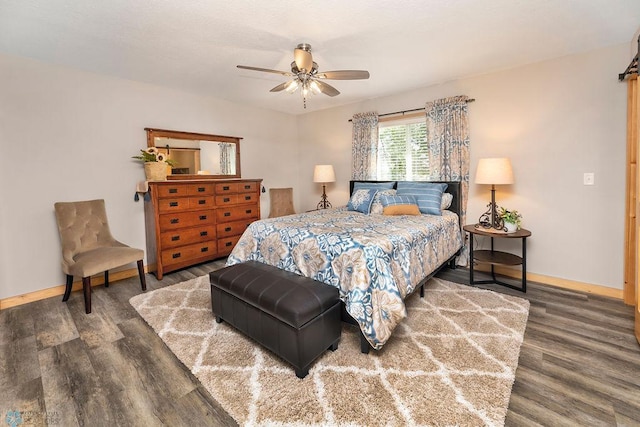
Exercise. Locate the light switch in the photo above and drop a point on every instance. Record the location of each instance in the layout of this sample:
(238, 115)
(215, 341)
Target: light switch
(589, 178)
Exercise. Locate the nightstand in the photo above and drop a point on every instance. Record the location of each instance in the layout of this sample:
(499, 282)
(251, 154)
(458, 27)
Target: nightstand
(493, 257)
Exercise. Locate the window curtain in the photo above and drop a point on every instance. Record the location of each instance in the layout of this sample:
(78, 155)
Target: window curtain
(364, 149)
(448, 141)
(226, 157)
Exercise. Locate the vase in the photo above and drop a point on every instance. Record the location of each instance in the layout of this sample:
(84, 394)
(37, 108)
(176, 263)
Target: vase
(511, 227)
(155, 171)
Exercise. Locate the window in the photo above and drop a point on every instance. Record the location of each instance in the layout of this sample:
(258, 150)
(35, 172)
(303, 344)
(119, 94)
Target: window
(402, 150)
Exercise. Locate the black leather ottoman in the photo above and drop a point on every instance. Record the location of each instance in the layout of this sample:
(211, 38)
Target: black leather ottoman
(295, 317)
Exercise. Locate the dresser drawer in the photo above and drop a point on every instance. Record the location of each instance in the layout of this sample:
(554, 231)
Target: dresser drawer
(226, 200)
(246, 187)
(178, 190)
(189, 252)
(200, 189)
(229, 229)
(227, 188)
(185, 236)
(184, 203)
(171, 221)
(248, 197)
(236, 213)
(225, 246)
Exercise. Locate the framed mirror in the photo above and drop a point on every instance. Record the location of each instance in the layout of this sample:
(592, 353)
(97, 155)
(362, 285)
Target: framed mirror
(197, 155)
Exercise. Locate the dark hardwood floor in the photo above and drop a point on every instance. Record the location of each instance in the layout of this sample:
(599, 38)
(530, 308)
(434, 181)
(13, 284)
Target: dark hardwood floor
(579, 363)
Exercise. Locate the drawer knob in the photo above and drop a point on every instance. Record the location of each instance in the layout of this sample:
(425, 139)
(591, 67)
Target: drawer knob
(174, 220)
(201, 189)
(202, 202)
(227, 229)
(226, 199)
(225, 188)
(176, 255)
(247, 197)
(227, 214)
(248, 211)
(173, 190)
(205, 249)
(175, 238)
(203, 217)
(247, 187)
(173, 204)
(228, 244)
(204, 233)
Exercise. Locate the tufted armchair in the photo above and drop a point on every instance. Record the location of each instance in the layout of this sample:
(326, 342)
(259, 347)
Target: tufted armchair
(88, 247)
(281, 202)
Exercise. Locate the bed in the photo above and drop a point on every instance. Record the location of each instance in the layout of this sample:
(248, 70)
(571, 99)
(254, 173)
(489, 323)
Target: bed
(374, 260)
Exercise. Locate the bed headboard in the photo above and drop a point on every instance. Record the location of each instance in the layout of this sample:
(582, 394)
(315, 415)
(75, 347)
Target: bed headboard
(453, 187)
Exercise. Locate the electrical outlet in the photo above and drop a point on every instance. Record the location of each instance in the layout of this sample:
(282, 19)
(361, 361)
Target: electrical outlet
(589, 178)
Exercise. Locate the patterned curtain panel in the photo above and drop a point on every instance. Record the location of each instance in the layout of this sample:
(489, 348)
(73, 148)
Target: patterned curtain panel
(448, 140)
(226, 157)
(365, 145)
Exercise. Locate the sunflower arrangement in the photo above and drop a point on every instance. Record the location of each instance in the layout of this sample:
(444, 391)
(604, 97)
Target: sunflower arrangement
(152, 154)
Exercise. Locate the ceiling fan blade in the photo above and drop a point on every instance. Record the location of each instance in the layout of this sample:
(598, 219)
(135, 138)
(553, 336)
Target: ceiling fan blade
(344, 75)
(280, 87)
(303, 59)
(265, 70)
(327, 89)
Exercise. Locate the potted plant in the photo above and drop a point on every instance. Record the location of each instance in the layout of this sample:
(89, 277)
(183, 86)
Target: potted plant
(155, 164)
(512, 219)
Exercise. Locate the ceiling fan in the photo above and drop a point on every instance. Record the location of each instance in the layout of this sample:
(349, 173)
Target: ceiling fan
(306, 76)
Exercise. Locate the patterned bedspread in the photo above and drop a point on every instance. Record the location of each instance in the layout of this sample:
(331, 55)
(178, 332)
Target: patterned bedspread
(374, 260)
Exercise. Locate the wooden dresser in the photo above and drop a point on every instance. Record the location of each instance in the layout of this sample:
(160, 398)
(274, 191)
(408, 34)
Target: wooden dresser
(189, 222)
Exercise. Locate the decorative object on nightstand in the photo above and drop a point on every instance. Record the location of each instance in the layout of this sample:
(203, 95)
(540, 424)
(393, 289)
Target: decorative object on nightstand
(493, 171)
(324, 174)
(512, 219)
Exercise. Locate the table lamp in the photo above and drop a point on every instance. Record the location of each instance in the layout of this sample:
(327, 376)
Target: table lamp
(324, 174)
(493, 171)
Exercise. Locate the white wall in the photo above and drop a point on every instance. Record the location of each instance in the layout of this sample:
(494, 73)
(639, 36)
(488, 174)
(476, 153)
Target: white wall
(69, 135)
(555, 120)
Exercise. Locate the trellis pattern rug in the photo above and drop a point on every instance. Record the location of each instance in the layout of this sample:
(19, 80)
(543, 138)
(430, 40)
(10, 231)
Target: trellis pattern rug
(452, 361)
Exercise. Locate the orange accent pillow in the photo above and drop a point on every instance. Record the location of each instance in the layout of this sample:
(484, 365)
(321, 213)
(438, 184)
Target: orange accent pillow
(401, 210)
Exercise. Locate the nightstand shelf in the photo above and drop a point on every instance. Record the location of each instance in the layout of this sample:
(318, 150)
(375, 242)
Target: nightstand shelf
(494, 257)
(497, 257)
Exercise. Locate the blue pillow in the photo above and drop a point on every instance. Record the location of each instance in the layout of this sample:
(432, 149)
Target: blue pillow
(373, 185)
(428, 195)
(397, 200)
(361, 200)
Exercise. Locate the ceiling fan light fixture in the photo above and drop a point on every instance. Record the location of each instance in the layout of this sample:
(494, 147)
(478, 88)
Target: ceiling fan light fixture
(315, 88)
(291, 86)
(305, 90)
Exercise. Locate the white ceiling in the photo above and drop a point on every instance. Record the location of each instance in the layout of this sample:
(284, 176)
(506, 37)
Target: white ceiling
(195, 45)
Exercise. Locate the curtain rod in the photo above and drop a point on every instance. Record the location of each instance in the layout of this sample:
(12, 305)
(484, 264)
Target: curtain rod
(411, 111)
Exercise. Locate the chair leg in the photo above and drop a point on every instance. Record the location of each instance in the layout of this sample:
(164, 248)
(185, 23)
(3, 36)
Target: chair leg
(67, 289)
(143, 280)
(106, 279)
(86, 287)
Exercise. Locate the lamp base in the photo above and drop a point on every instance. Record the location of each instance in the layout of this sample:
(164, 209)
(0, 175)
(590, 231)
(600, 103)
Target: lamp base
(490, 219)
(324, 203)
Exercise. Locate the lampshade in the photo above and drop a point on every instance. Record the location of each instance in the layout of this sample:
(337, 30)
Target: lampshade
(494, 171)
(323, 173)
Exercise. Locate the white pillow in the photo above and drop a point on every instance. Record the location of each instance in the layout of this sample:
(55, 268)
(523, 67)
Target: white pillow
(445, 203)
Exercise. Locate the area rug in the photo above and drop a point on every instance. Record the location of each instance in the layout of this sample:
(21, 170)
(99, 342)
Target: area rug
(452, 361)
